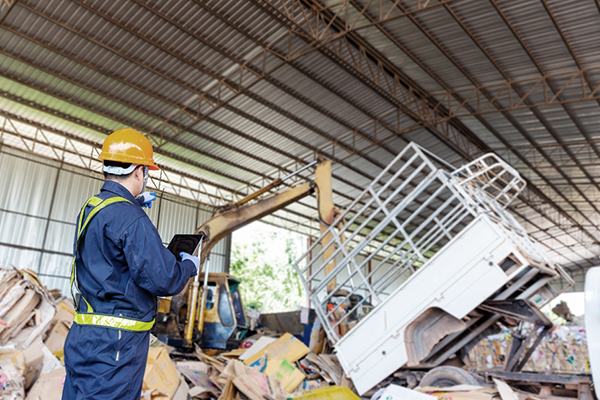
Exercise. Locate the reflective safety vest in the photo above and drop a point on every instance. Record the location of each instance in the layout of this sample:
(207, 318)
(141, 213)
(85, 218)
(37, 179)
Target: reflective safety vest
(91, 318)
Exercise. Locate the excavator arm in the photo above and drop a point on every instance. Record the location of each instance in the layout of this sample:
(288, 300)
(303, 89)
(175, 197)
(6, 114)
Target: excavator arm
(223, 223)
(239, 214)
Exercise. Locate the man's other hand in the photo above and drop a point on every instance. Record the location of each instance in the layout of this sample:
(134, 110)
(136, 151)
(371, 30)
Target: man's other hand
(146, 199)
(185, 256)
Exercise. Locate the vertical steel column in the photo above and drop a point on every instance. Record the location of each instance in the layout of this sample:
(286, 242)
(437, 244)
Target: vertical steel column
(49, 215)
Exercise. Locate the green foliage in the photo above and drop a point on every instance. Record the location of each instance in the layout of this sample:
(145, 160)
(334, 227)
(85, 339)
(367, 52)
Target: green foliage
(263, 257)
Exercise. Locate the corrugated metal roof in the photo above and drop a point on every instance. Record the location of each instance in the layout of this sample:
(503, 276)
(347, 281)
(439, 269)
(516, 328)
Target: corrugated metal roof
(81, 68)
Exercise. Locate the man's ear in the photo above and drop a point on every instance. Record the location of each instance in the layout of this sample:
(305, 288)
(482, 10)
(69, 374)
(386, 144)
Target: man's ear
(139, 173)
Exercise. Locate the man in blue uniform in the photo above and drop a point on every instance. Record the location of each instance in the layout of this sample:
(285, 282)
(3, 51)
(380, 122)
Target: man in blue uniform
(120, 266)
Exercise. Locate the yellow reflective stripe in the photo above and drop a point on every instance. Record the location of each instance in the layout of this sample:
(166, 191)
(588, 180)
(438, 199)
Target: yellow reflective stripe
(73, 280)
(94, 201)
(98, 208)
(89, 307)
(109, 321)
(81, 214)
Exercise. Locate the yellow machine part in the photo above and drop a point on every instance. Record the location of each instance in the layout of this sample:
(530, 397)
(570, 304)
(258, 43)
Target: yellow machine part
(164, 304)
(215, 281)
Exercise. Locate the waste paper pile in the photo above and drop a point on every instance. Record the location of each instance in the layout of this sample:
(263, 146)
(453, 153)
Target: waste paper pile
(34, 325)
(33, 329)
(563, 350)
(271, 364)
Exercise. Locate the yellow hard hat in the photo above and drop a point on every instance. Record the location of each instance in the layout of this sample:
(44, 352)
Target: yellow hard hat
(128, 146)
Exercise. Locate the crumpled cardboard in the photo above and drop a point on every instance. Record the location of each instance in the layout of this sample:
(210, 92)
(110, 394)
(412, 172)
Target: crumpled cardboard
(18, 315)
(254, 384)
(12, 369)
(276, 360)
(10, 296)
(328, 367)
(49, 386)
(287, 347)
(161, 375)
(34, 357)
(197, 372)
(26, 308)
(59, 329)
(563, 350)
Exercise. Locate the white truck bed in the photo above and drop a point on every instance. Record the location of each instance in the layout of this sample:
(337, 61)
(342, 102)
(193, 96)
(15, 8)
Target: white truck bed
(424, 245)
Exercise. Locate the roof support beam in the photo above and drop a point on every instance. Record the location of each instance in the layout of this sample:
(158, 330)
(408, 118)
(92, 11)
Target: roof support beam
(187, 109)
(5, 7)
(540, 117)
(514, 95)
(314, 23)
(200, 190)
(509, 117)
(371, 77)
(217, 123)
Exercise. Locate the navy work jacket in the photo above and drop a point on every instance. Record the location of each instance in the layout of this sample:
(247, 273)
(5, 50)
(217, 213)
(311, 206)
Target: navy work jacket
(122, 264)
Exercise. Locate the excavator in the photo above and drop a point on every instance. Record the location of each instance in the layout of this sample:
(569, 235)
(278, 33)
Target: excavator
(213, 315)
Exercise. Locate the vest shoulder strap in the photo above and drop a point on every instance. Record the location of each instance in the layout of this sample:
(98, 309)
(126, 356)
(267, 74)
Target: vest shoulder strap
(98, 205)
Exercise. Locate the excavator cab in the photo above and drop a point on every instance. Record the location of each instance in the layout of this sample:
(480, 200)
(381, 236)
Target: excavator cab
(224, 319)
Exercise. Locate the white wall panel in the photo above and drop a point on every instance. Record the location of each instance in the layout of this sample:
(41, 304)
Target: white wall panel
(176, 218)
(72, 191)
(25, 186)
(21, 258)
(21, 230)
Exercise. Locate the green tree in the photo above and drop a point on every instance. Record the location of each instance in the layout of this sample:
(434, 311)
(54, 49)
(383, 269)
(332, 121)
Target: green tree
(263, 257)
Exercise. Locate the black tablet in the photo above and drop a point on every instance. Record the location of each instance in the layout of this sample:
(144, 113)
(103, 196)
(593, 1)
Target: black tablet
(185, 243)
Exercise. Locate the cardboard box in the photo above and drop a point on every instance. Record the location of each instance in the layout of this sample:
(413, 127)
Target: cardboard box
(287, 347)
(55, 341)
(289, 375)
(67, 305)
(161, 374)
(16, 318)
(49, 386)
(12, 367)
(182, 391)
(58, 329)
(254, 384)
(276, 358)
(34, 357)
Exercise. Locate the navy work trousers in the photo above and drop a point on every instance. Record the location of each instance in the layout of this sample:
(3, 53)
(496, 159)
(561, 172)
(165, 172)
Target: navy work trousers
(104, 363)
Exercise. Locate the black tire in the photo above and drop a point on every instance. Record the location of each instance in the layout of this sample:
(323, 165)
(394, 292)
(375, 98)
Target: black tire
(448, 376)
